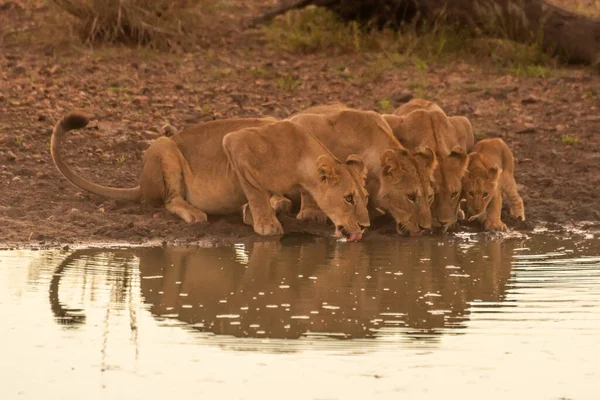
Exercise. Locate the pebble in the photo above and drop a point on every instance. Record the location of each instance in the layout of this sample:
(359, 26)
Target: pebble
(11, 156)
(524, 127)
(530, 99)
(402, 96)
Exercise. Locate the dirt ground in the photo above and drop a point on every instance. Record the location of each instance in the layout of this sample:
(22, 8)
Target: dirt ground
(138, 95)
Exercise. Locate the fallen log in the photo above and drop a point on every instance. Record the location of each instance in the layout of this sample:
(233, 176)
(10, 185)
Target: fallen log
(573, 37)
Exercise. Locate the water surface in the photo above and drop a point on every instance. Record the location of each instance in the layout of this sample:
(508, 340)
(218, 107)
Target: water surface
(459, 317)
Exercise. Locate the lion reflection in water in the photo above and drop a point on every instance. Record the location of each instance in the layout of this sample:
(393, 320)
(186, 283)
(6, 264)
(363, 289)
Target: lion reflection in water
(271, 289)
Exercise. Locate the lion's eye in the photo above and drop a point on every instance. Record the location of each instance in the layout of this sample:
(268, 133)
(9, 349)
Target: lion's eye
(349, 199)
(411, 197)
(454, 195)
(485, 194)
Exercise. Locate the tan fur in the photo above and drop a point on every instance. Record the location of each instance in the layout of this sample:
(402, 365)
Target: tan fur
(422, 123)
(215, 167)
(398, 181)
(490, 174)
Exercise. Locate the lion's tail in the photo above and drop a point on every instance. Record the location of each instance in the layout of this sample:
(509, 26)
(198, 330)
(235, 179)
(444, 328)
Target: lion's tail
(78, 121)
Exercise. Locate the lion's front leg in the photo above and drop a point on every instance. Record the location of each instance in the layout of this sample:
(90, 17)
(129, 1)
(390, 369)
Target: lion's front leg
(280, 204)
(494, 210)
(509, 187)
(261, 214)
(309, 210)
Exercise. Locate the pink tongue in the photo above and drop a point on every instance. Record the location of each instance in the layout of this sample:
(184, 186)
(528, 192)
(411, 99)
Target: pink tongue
(355, 237)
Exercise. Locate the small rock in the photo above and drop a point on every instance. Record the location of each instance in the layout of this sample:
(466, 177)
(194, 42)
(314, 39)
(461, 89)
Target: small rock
(530, 99)
(26, 172)
(402, 96)
(10, 156)
(73, 211)
(19, 69)
(560, 128)
(524, 127)
(16, 179)
(42, 117)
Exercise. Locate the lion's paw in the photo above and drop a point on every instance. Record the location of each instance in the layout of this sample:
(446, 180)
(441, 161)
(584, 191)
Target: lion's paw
(520, 216)
(492, 225)
(281, 205)
(268, 228)
(312, 214)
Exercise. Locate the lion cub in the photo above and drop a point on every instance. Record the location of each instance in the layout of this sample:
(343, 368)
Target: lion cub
(490, 173)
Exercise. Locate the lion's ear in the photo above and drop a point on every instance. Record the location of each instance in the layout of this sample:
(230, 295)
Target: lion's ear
(427, 156)
(471, 157)
(326, 167)
(459, 154)
(356, 163)
(494, 172)
(390, 163)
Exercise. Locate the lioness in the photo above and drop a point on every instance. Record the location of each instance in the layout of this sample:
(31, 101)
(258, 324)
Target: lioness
(398, 181)
(490, 173)
(422, 123)
(215, 166)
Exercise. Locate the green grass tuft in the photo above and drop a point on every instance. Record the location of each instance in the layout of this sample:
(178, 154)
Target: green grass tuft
(569, 140)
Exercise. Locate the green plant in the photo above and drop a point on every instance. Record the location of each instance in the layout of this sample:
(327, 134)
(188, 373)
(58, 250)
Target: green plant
(287, 82)
(313, 29)
(480, 134)
(383, 105)
(569, 140)
(532, 71)
(117, 89)
(260, 72)
(121, 159)
(19, 140)
(206, 108)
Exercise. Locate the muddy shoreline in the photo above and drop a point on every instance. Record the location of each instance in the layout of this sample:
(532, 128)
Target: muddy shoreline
(137, 96)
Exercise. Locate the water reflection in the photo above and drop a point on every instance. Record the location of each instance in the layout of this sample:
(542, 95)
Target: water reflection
(520, 315)
(324, 288)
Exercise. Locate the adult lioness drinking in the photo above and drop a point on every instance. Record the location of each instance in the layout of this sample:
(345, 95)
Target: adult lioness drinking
(422, 123)
(398, 181)
(216, 167)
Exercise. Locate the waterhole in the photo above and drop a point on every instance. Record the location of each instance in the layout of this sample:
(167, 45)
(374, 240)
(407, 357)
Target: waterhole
(302, 318)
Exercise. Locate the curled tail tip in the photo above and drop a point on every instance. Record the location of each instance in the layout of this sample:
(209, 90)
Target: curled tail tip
(74, 120)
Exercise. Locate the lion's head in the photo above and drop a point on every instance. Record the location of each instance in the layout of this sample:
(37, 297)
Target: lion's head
(479, 184)
(341, 194)
(448, 187)
(405, 190)
(424, 123)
